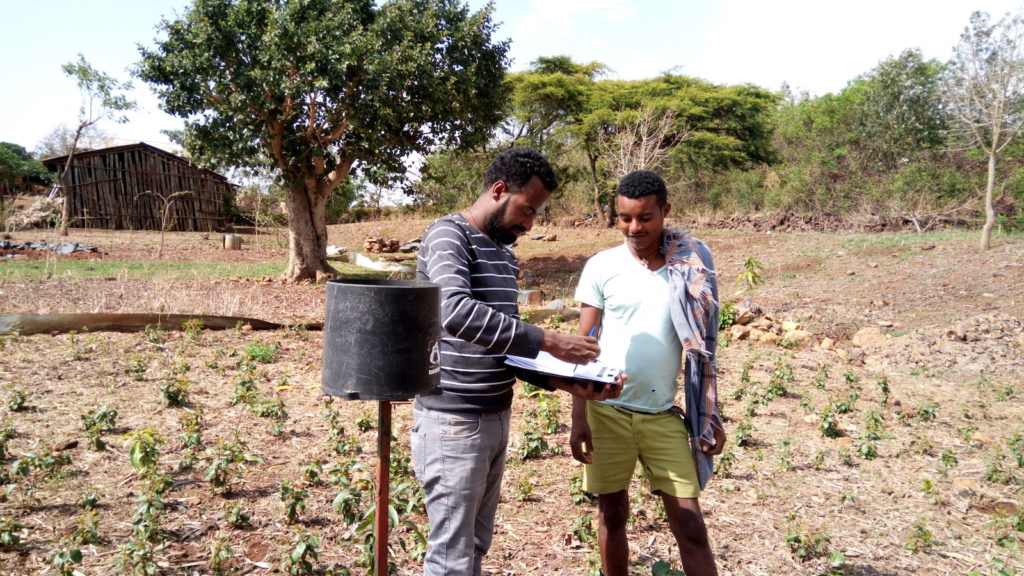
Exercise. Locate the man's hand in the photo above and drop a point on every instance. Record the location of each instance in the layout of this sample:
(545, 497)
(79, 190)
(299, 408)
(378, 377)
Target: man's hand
(588, 389)
(570, 348)
(716, 426)
(580, 440)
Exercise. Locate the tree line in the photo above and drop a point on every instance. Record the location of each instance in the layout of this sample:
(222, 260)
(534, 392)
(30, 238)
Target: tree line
(335, 99)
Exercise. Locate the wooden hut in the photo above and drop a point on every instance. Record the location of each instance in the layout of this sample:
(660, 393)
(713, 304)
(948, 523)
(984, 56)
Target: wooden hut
(129, 187)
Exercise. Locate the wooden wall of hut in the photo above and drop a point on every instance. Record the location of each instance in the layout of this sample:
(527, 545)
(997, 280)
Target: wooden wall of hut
(129, 188)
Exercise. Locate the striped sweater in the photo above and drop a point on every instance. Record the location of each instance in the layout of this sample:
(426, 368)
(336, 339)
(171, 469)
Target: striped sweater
(479, 316)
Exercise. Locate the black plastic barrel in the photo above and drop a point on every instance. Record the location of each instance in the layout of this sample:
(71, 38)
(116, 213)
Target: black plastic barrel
(381, 339)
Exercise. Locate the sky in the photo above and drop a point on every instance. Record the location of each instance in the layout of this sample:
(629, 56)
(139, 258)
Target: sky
(814, 46)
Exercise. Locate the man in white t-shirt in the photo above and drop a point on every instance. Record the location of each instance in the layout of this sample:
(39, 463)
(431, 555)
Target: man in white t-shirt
(627, 292)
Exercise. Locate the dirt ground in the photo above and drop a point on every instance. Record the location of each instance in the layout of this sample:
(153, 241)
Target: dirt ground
(924, 476)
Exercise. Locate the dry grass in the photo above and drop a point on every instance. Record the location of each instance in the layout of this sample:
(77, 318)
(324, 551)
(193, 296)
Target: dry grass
(790, 490)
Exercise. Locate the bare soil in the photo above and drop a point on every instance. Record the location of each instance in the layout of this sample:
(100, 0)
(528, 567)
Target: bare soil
(940, 393)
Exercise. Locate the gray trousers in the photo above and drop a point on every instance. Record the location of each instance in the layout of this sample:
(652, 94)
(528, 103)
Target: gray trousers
(459, 458)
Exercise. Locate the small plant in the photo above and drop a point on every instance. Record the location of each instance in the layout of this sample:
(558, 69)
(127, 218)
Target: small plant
(313, 473)
(65, 558)
(829, 424)
(576, 492)
(294, 501)
(921, 538)
(193, 329)
(524, 488)
(947, 460)
(98, 422)
(347, 504)
(926, 411)
(16, 400)
(532, 445)
(781, 376)
(154, 334)
(191, 423)
(138, 557)
(143, 449)
(821, 376)
(818, 460)
(996, 472)
(725, 463)
(274, 409)
(744, 433)
(302, 556)
(260, 352)
(174, 390)
(749, 277)
(89, 500)
(365, 422)
(227, 461)
(236, 516)
(922, 445)
(806, 547)
(883, 387)
(136, 365)
(726, 315)
(786, 454)
(87, 529)
(10, 532)
(220, 557)
(583, 529)
(245, 391)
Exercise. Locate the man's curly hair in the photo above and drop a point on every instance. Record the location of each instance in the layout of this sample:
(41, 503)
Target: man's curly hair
(516, 166)
(643, 183)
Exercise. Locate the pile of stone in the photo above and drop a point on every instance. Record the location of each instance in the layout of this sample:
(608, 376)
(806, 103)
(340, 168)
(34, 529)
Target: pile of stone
(751, 323)
(378, 245)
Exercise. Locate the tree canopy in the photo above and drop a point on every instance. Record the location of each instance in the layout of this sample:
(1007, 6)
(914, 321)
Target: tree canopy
(314, 87)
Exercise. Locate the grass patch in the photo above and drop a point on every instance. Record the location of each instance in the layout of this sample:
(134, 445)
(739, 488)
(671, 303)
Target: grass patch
(35, 270)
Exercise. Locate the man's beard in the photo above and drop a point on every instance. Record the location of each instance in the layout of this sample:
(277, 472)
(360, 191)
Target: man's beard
(497, 230)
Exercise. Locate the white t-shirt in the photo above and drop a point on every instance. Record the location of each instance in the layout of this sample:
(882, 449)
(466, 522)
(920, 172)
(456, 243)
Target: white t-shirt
(636, 331)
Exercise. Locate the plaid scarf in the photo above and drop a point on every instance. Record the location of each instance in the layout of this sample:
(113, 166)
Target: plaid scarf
(695, 315)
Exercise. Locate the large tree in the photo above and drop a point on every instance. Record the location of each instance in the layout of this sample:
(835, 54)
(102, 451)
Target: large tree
(985, 82)
(314, 87)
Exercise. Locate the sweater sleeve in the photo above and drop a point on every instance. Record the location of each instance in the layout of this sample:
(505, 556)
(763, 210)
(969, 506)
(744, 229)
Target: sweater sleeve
(479, 292)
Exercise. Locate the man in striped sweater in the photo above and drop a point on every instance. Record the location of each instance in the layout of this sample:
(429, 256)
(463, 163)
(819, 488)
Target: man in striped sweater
(460, 436)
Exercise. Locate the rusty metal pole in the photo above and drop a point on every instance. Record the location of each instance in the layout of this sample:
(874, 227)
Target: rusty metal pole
(383, 487)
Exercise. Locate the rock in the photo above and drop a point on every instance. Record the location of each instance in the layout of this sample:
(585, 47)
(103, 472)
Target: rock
(739, 332)
(531, 297)
(827, 343)
(550, 237)
(926, 246)
(744, 315)
(801, 338)
(789, 326)
(868, 335)
(556, 304)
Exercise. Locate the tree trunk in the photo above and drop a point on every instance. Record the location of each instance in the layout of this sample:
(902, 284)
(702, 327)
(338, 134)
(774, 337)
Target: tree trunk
(990, 213)
(592, 158)
(65, 189)
(307, 233)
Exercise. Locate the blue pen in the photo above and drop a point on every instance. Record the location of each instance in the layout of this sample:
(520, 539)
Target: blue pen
(593, 331)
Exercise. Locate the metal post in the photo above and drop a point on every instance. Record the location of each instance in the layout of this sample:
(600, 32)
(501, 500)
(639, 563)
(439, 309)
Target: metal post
(383, 487)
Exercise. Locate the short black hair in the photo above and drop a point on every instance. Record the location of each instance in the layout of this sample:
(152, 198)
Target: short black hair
(642, 183)
(516, 166)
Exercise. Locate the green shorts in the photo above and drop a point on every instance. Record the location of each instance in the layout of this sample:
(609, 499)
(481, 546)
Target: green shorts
(658, 441)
